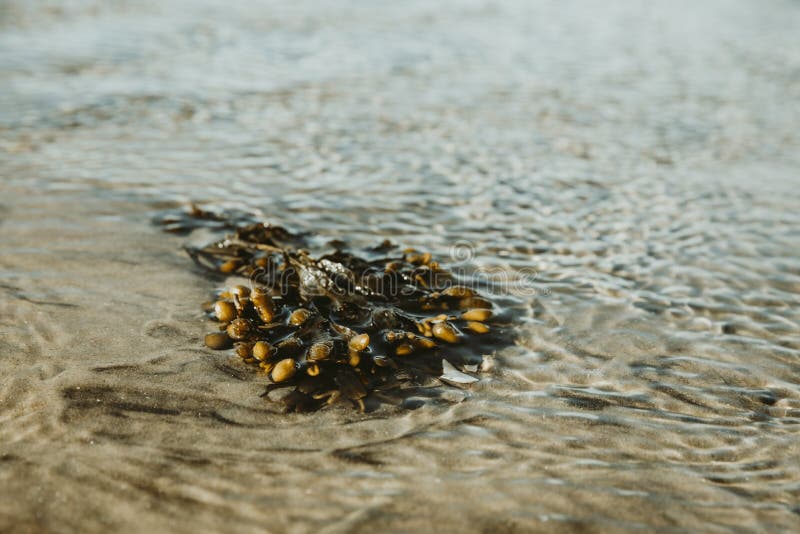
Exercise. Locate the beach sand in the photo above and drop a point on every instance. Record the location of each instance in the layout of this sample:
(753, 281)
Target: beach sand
(642, 160)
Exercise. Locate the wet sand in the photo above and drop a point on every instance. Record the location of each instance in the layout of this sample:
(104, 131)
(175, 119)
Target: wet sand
(642, 159)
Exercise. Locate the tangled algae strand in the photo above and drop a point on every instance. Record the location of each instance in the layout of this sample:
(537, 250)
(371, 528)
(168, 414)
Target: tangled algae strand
(362, 327)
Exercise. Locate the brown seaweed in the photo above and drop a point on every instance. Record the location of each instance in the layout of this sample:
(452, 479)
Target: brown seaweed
(340, 325)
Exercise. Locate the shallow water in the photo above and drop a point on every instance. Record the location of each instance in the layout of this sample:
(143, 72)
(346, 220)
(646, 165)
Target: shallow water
(642, 160)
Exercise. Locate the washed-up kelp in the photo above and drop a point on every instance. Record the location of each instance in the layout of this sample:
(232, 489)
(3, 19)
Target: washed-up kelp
(341, 325)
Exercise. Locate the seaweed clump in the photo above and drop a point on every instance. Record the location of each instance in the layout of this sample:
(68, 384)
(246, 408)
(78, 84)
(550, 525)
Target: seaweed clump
(341, 325)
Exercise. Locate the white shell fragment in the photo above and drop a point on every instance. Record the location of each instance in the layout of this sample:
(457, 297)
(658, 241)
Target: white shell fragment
(454, 377)
(486, 365)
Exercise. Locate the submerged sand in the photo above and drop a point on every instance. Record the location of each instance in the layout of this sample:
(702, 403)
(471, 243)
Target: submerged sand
(641, 159)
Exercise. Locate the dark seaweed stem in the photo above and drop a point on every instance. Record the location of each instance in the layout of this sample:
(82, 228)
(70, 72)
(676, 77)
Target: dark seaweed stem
(341, 325)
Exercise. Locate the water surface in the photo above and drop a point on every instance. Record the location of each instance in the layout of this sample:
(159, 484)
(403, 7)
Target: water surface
(641, 159)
